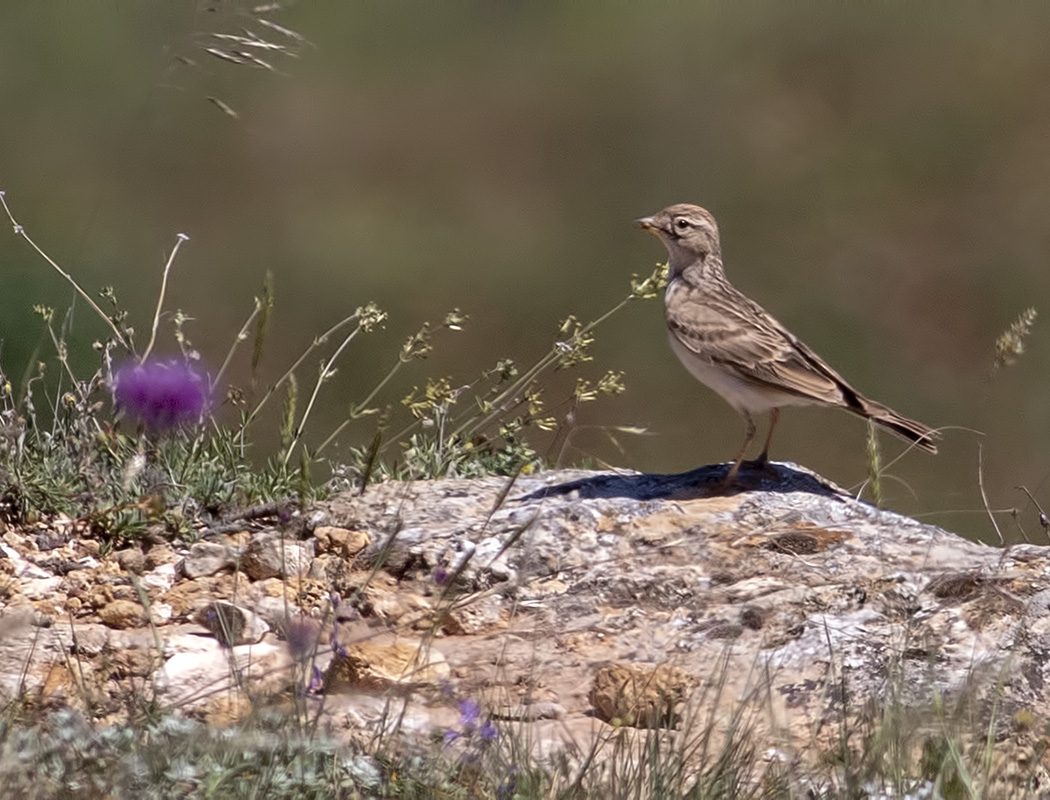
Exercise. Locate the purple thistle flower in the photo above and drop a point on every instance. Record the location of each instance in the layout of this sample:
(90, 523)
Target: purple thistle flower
(161, 394)
(301, 636)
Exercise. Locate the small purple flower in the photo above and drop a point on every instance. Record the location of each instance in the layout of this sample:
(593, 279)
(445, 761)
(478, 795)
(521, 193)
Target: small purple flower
(316, 680)
(441, 576)
(284, 514)
(469, 711)
(313, 687)
(488, 731)
(451, 735)
(161, 394)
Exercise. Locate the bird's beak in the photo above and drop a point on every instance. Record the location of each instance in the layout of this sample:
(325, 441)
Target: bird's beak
(647, 223)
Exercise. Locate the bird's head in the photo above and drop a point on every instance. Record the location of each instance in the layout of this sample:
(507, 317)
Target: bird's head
(689, 233)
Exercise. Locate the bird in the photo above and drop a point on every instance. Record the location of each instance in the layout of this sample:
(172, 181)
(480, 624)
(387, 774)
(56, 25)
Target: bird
(731, 344)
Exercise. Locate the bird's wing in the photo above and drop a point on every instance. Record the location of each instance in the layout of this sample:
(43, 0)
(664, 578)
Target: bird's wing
(732, 331)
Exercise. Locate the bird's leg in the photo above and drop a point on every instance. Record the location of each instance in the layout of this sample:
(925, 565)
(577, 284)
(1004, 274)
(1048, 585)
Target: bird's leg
(763, 457)
(749, 435)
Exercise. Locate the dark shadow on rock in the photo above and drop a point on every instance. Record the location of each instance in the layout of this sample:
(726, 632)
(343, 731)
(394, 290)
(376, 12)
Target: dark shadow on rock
(706, 481)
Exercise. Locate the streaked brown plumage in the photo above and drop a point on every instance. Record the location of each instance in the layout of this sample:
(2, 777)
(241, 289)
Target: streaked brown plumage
(734, 346)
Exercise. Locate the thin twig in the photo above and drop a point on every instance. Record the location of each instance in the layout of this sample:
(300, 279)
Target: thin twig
(179, 239)
(324, 375)
(355, 411)
(984, 497)
(1044, 521)
(242, 334)
(470, 427)
(280, 381)
(20, 231)
(62, 353)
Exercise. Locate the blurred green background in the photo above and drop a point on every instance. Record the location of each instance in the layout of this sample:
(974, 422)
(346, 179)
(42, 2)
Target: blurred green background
(880, 173)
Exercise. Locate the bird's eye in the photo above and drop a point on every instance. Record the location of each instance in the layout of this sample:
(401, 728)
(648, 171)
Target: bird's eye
(681, 223)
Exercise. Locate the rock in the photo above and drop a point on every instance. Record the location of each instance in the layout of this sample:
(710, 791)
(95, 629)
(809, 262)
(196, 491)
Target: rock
(222, 711)
(788, 604)
(230, 624)
(640, 695)
(185, 597)
(491, 557)
(123, 614)
(17, 621)
(318, 570)
(237, 539)
(328, 567)
(209, 678)
(25, 660)
(397, 605)
(302, 631)
(275, 611)
(145, 638)
(131, 560)
(161, 577)
(377, 667)
(529, 712)
(474, 615)
(89, 547)
(137, 663)
(23, 567)
(342, 542)
(60, 686)
(40, 588)
(99, 595)
(159, 555)
(21, 544)
(160, 613)
(767, 593)
(302, 593)
(87, 639)
(208, 558)
(270, 556)
(51, 540)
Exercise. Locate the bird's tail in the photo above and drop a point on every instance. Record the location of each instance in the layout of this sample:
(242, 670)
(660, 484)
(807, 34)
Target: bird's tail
(905, 428)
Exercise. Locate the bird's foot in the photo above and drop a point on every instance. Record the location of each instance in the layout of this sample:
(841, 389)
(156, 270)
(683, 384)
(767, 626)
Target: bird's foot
(742, 475)
(733, 481)
(762, 463)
